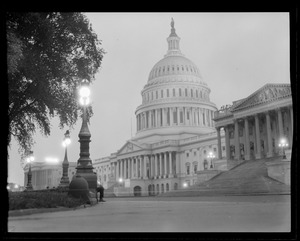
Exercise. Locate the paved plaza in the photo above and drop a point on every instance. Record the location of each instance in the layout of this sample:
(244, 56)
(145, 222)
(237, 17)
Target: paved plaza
(266, 213)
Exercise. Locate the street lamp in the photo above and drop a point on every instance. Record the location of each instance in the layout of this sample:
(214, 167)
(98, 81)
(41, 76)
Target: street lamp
(64, 182)
(84, 164)
(185, 185)
(283, 143)
(29, 160)
(211, 156)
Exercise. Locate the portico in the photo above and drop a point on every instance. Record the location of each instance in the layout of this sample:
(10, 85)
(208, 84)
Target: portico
(254, 125)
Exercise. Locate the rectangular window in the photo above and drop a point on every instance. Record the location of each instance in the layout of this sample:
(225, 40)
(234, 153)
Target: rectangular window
(186, 92)
(173, 92)
(195, 168)
(162, 93)
(187, 170)
(187, 154)
(156, 94)
(188, 115)
(167, 92)
(191, 93)
(179, 92)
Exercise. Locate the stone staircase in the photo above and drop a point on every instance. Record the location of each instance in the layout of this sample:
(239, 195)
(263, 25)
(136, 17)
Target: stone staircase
(249, 177)
(109, 192)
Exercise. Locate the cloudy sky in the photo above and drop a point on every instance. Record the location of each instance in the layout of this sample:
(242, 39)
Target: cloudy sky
(236, 53)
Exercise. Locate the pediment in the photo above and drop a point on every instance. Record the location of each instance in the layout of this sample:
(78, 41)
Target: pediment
(130, 146)
(268, 93)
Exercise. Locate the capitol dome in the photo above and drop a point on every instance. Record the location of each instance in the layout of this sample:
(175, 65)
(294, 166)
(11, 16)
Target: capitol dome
(176, 101)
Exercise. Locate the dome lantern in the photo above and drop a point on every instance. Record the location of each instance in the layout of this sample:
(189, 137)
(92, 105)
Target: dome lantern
(173, 42)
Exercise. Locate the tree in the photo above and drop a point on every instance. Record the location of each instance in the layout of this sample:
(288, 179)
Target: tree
(48, 54)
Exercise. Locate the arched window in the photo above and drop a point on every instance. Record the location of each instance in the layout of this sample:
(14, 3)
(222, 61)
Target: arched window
(162, 188)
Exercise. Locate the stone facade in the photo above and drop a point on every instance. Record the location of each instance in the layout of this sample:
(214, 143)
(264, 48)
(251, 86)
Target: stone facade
(255, 125)
(175, 130)
(47, 175)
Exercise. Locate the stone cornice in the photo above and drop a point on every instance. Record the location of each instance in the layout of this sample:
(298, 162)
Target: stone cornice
(176, 79)
(267, 94)
(175, 102)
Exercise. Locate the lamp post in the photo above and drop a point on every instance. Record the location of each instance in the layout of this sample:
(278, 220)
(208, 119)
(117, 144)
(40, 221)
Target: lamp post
(29, 159)
(283, 144)
(64, 182)
(211, 156)
(84, 164)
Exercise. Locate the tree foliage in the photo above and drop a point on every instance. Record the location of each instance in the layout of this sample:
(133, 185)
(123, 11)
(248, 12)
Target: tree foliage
(48, 54)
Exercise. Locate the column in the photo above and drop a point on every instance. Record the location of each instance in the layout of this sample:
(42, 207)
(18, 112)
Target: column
(155, 166)
(140, 166)
(149, 119)
(192, 116)
(136, 167)
(257, 133)
(121, 170)
(165, 164)
(170, 164)
(219, 143)
(269, 136)
(177, 164)
(155, 117)
(247, 140)
(178, 116)
(145, 160)
(117, 171)
(132, 167)
(171, 116)
(184, 115)
(280, 123)
(160, 164)
(227, 142)
(237, 140)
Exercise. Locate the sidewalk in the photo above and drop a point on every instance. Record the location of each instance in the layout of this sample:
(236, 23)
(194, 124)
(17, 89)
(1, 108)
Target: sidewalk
(179, 214)
(22, 212)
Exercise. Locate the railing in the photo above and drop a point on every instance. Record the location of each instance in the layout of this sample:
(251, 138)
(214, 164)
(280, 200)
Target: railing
(164, 143)
(222, 113)
(195, 138)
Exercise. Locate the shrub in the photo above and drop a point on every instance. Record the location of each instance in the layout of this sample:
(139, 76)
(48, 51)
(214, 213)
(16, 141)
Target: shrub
(42, 199)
